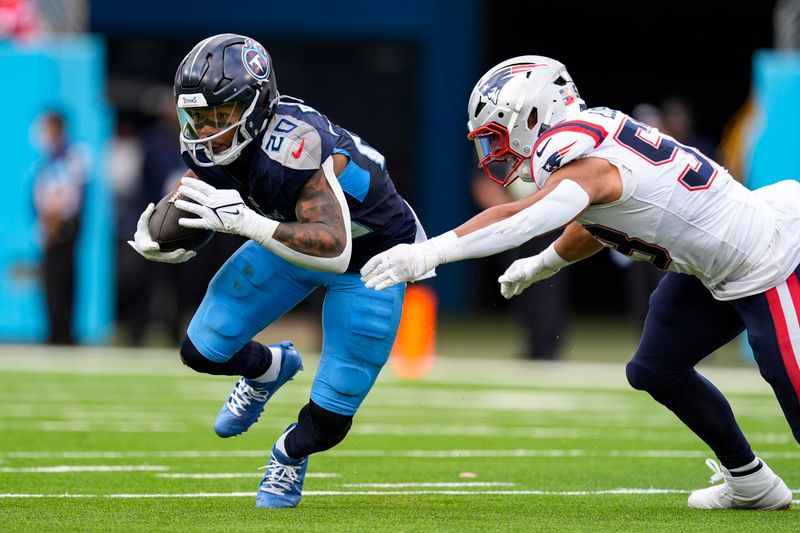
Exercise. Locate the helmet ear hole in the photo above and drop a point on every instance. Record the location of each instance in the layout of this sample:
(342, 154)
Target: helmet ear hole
(533, 119)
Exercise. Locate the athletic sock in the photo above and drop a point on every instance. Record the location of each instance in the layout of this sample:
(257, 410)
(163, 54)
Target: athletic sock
(750, 468)
(274, 367)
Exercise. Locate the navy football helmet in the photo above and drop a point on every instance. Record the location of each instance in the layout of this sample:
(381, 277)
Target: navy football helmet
(224, 89)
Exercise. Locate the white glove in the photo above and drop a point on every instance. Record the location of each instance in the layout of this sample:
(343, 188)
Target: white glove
(144, 244)
(222, 210)
(525, 272)
(401, 263)
(408, 262)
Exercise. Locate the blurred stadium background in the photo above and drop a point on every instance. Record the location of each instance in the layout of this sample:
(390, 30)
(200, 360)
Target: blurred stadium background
(399, 74)
(114, 434)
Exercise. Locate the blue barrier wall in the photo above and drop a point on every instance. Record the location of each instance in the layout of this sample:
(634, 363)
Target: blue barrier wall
(68, 74)
(777, 91)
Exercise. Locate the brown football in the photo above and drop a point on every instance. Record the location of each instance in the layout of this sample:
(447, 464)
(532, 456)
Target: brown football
(165, 230)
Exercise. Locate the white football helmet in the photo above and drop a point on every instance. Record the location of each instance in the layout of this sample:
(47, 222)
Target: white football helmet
(511, 106)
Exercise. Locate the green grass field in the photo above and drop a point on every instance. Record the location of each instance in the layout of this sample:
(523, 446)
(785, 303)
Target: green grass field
(98, 439)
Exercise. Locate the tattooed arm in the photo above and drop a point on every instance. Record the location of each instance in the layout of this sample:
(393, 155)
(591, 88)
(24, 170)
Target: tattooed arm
(319, 240)
(320, 229)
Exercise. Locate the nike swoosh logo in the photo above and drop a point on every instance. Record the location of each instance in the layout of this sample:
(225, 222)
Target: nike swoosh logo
(235, 213)
(540, 151)
(299, 151)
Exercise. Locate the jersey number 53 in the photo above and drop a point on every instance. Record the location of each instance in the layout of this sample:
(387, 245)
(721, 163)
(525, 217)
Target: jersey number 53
(696, 172)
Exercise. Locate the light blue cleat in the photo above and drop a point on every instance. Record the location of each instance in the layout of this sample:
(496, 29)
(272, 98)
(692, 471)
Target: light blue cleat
(282, 484)
(248, 398)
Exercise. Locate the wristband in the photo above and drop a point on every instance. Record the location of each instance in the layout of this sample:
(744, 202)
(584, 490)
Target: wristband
(552, 260)
(258, 228)
(441, 249)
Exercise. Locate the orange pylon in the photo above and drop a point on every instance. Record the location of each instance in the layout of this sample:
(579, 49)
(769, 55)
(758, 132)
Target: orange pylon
(413, 351)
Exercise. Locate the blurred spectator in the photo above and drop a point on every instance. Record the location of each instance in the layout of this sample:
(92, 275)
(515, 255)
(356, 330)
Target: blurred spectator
(63, 16)
(58, 194)
(640, 278)
(786, 23)
(677, 119)
(19, 20)
(168, 294)
(649, 114)
(736, 147)
(124, 169)
(542, 310)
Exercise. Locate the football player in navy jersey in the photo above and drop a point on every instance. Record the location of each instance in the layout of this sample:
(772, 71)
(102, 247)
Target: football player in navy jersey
(732, 255)
(315, 202)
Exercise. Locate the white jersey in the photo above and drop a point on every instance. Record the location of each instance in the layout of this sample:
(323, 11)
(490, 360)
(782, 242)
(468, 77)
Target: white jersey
(679, 209)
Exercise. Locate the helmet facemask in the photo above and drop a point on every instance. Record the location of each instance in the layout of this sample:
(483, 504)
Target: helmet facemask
(204, 129)
(495, 155)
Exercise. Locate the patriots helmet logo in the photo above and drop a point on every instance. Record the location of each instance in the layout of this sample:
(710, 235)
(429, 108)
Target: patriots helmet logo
(491, 89)
(255, 60)
(553, 162)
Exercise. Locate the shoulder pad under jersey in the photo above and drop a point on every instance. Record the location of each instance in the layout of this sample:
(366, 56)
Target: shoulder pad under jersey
(293, 143)
(565, 142)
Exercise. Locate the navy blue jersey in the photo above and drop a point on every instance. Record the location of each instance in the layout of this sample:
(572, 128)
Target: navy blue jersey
(286, 155)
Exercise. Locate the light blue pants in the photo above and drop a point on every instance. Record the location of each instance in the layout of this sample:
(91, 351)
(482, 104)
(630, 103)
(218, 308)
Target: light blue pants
(256, 287)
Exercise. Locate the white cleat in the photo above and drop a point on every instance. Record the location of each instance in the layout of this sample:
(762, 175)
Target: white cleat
(760, 490)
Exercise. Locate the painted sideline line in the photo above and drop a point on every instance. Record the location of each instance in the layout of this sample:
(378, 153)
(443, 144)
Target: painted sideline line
(437, 454)
(620, 491)
(623, 491)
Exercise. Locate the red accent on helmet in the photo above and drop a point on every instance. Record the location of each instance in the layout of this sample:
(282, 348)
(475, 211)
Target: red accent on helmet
(500, 155)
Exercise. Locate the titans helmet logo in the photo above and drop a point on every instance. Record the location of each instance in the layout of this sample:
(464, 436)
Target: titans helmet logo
(255, 60)
(491, 89)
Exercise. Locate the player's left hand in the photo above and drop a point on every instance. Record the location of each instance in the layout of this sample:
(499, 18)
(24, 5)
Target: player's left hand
(145, 246)
(522, 274)
(220, 210)
(403, 263)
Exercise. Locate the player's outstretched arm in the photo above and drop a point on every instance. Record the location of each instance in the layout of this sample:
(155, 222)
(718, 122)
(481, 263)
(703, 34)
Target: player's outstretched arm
(319, 240)
(573, 245)
(497, 229)
(566, 195)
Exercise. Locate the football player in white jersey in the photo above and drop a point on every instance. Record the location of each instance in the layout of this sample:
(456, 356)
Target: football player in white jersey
(731, 254)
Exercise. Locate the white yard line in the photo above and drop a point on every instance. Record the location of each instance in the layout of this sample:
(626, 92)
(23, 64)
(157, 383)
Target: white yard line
(624, 491)
(234, 475)
(468, 430)
(428, 485)
(105, 360)
(92, 426)
(59, 469)
(418, 454)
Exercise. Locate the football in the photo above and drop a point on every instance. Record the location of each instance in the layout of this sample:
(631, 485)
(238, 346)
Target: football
(165, 230)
